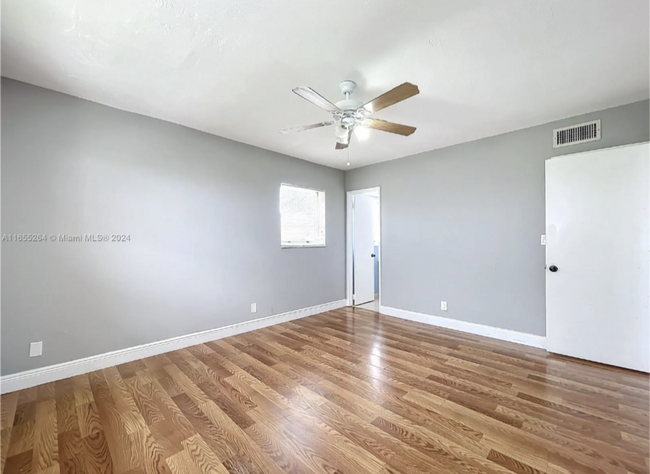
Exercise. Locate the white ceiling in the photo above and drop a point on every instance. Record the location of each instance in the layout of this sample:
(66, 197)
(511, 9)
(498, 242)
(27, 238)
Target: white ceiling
(228, 66)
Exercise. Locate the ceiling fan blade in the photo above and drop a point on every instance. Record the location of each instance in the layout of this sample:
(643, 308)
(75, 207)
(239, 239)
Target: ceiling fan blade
(315, 98)
(391, 127)
(305, 127)
(340, 145)
(392, 97)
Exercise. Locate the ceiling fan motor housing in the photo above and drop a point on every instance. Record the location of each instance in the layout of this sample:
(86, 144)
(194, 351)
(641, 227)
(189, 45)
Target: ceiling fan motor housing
(347, 87)
(349, 104)
(351, 110)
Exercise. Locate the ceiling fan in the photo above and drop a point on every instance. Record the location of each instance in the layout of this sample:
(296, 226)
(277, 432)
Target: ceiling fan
(349, 114)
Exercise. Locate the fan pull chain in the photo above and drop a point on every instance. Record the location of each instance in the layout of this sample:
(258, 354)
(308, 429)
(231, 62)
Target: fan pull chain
(349, 154)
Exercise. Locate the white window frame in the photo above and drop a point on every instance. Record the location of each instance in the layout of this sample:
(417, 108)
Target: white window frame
(303, 246)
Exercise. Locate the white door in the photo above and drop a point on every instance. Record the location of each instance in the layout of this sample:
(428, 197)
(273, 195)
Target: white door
(362, 249)
(597, 256)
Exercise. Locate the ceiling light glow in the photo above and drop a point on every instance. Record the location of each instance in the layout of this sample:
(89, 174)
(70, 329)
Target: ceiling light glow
(362, 132)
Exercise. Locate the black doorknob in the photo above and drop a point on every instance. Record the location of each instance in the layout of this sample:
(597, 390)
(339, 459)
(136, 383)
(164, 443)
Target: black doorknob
(372, 255)
(553, 268)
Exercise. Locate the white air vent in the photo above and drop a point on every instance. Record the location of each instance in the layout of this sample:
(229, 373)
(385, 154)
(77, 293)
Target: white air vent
(582, 133)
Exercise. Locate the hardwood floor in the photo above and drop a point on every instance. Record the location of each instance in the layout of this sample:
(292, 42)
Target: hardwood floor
(348, 391)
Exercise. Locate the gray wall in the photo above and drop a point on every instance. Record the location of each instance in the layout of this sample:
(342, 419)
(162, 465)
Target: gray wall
(463, 224)
(202, 213)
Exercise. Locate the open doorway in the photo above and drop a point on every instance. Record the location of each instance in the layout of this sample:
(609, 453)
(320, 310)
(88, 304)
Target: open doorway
(363, 246)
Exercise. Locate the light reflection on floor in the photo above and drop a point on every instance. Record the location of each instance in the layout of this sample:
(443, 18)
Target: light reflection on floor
(375, 366)
(372, 305)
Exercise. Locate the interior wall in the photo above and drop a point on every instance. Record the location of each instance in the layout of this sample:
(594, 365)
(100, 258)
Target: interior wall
(463, 224)
(202, 213)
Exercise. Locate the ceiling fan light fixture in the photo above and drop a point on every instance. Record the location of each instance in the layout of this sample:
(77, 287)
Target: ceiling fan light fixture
(362, 132)
(352, 116)
(341, 133)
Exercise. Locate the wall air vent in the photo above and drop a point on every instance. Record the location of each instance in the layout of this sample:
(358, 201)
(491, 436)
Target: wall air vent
(582, 133)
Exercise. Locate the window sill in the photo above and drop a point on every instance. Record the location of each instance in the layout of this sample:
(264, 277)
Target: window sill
(303, 246)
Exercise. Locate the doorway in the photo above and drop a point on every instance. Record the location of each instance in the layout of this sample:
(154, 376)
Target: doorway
(363, 248)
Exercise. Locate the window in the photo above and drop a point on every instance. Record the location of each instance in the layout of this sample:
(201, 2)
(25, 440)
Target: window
(302, 217)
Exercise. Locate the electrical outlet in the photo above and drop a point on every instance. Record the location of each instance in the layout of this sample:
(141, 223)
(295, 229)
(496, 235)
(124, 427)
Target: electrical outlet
(36, 349)
(443, 305)
(253, 307)
(543, 239)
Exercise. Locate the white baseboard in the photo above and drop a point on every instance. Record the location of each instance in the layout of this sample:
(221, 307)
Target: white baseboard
(31, 378)
(472, 328)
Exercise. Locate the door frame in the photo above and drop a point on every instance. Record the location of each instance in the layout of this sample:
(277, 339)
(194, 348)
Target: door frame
(348, 241)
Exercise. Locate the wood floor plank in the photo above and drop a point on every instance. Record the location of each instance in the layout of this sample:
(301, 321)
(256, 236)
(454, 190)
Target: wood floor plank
(71, 452)
(205, 460)
(143, 396)
(245, 450)
(8, 405)
(151, 454)
(5, 439)
(82, 391)
(97, 455)
(513, 464)
(169, 439)
(121, 447)
(28, 395)
(213, 434)
(132, 419)
(25, 412)
(277, 449)
(181, 463)
(88, 418)
(390, 450)
(347, 391)
(66, 407)
(352, 457)
(46, 392)
(46, 451)
(316, 457)
(20, 463)
(22, 438)
(174, 418)
(56, 469)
